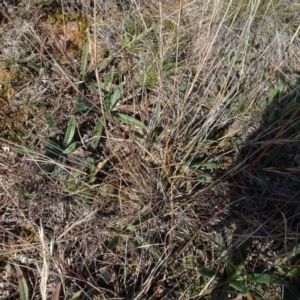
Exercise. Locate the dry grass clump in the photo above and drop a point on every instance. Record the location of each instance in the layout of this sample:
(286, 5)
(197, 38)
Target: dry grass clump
(149, 150)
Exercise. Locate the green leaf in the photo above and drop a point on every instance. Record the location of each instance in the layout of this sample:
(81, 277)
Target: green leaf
(242, 251)
(157, 113)
(101, 66)
(220, 241)
(131, 228)
(50, 121)
(91, 164)
(81, 92)
(137, 247)
(25, 151)
(104, 63)
(236, 270)
(76, 296)
(238, 286)
(70, 132)
(84, 59)
(95, 89)
(282, 252)
(113, 243)
(56, 170)
(55, 147)
(66, 71)
(266, 278)
(204, 178)
(70, 149)
(47, 169)
(84, 107)
(124, 119)
(289, 271)
(296, 251)
(210, 166)
(109, 80)
(183, 86)
(207, 272)
(30, 195)
(23, 288)
(112, 101)
(224, 293)
(34, 65)
(97, 134)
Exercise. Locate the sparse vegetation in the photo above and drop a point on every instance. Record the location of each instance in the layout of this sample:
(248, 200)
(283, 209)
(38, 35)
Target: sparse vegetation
(149, 149)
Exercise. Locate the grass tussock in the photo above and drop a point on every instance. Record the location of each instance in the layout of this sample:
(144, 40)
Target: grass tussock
(149, 150)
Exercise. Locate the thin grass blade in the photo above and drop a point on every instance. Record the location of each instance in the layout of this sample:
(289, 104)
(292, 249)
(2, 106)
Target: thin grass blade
(84, 60)
(70, 132)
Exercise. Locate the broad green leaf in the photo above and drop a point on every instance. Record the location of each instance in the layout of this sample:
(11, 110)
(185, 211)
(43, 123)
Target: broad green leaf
(124, 119)
(56, 170)
(112, 101)
(295, 251)
(220, 241)
(204, 178)
(91, 164)
(30, 195)
(210, 166)
(92, 167)
(289, 255)
(84, 107)
(242, 251)
(81, 91)
(183, 86)
(157, 113)
(50, 121)
(70, 132)
(101, 66)
(34, 65)
(84, 59)
(66, 71)
(70, 148)
(224, 293)
(24, 151)
(207, 272)
(55, 147)
(95, 88)
(236, 270)
(130, 227)
(47, 169)
(266, 278)
(109, 78)
(229, 267)
(97, 134)
(289, 271)
(104, 63)
(113, 243)
(23, 288)
(238, 286)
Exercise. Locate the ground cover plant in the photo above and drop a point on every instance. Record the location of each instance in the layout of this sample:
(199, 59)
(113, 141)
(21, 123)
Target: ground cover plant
(149, 149)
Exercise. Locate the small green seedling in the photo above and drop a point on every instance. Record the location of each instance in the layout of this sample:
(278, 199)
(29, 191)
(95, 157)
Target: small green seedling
(57, 150)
